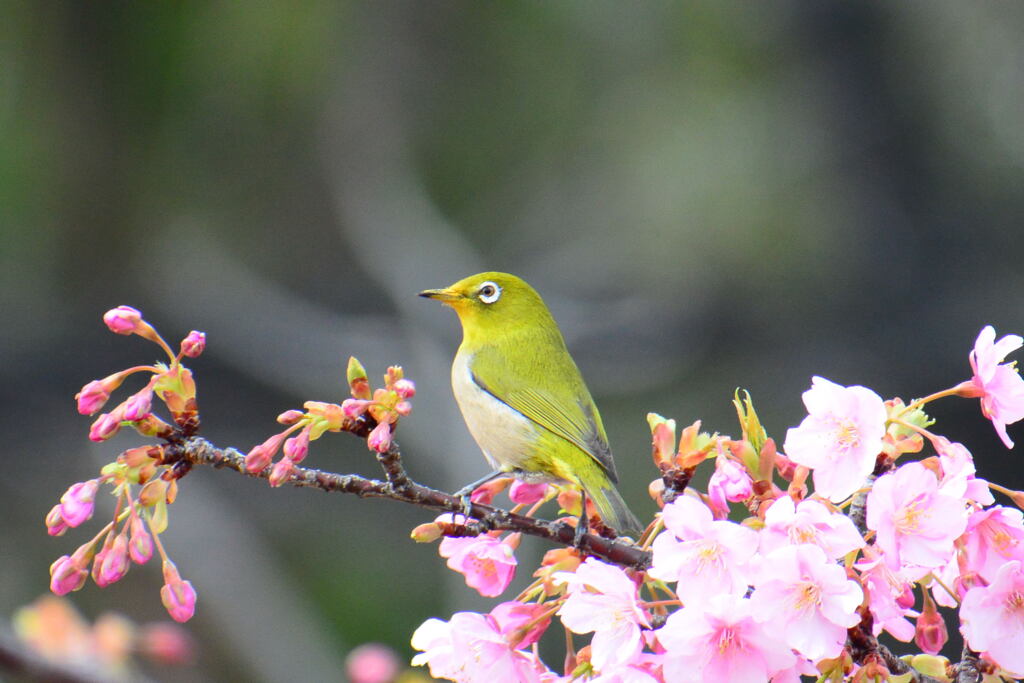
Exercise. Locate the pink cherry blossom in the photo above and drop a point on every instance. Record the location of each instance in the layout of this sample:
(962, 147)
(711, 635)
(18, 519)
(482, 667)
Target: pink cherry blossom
(808, 598)
(522, 623)
(915, 523)
(602, 599)
(890, 596)
(729, 483)
(992, 618)
(958, 471)
(705, 556)
(999, 385)
(840, 438)
(488, 563)
(993, 537)
(642, 671)
(789, 523)
(719, 640)
(470, 648)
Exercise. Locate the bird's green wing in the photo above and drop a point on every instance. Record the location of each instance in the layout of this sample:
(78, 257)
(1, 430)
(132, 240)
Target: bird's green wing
(558, 401)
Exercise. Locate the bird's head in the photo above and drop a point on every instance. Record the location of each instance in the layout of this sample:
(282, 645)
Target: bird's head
(492, 301)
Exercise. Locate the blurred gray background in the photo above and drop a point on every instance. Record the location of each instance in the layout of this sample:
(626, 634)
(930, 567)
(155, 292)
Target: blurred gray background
(709, 196)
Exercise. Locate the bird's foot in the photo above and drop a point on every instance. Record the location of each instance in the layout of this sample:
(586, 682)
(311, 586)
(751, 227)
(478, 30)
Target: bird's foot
(582, 528)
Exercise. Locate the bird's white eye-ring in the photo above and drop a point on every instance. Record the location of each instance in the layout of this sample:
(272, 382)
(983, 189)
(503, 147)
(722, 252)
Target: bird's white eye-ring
(489, 292)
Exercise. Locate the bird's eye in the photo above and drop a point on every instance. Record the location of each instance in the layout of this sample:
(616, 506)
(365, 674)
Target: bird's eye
(489, 292)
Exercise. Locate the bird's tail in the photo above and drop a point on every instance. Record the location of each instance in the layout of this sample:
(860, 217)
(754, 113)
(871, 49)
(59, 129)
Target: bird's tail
(612, 508)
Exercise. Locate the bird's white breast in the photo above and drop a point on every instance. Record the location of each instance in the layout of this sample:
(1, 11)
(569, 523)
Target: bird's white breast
(504, 435)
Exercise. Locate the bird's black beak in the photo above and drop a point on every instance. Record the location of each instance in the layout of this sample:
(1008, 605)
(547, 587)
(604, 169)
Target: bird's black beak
(440, 294)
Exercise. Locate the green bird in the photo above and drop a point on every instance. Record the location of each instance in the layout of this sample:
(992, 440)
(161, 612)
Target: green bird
(522, 395)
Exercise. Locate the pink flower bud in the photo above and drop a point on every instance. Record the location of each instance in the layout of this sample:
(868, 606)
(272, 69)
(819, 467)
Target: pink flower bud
(178, 596)
(403, 408)
(297, 447)
(527, 494)
(55, 524)
(380, 438)
(69, 573)
(260, 456)
(105, 426)
(930, 633)
(123, 320)
(486, 492)
(193, 344)
(282, 472)
(140, 547)
(290, 417)
(426, 533)
(77, 503)
(92, 397)
(354, 407)
(372, 663)
(404, 388)
(138, 405)
(166, 643)
(111, 564)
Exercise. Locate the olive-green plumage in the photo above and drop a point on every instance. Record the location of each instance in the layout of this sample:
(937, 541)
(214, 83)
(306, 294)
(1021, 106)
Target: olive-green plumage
(522, 395)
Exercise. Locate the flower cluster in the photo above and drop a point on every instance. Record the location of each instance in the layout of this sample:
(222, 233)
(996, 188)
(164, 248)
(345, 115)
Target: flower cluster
(380, 409)
(765, 575)
(54, 630)
(141, 483)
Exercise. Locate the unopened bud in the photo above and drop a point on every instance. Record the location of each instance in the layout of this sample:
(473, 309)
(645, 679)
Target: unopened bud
(123, 320)
(380, 438)
(140, 547)
(357, 379)
(179, 597)
(290, 417)
(663, 439)
(55, 524)
(427, 533)
(138, 405)
(78, 502)
(193, 345)
(105, 426)
(485, 493)
(930, 633)
(282, 472)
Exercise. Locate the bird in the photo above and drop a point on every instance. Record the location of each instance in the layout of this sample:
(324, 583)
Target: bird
(523, 398)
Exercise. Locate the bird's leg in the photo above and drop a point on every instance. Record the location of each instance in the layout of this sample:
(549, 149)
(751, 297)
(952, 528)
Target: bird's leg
(583, 525)
(466, 491)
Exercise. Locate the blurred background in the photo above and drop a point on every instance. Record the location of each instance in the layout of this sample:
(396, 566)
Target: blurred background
(708, 195)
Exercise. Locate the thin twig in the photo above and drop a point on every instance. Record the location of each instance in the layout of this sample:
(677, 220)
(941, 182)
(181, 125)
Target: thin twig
(199, 451)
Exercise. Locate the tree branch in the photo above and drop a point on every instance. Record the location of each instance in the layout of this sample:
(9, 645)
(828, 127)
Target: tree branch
(398, 486)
